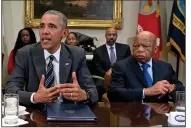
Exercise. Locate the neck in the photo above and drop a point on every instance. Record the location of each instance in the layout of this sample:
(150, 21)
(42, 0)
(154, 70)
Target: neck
(53, 50)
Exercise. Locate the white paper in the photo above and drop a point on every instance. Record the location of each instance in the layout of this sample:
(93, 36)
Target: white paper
(174, 116)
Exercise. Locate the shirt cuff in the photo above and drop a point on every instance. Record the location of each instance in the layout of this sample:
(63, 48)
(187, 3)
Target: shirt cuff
(32, 98)
(143, 94)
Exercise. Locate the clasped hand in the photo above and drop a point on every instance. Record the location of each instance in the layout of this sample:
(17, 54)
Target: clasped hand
(160, 88)
(70, 91)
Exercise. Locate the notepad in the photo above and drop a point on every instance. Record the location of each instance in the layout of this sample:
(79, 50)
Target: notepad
(69, 112)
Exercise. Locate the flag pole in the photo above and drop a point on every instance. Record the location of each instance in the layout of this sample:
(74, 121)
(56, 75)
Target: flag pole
(177, 64)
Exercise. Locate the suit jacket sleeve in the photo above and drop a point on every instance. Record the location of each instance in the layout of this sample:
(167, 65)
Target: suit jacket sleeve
(85, 79)
(117, 90)
(174, 80)
(178, 84)
(97, 63)
(16, 81)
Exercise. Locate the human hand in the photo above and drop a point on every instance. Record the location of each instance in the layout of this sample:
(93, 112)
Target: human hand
(72, 91)
(46, 95)
(160, 88)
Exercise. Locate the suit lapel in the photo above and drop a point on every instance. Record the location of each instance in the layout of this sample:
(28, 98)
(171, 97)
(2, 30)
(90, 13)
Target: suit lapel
(65, 64)
(39, 61)
(117, 50)
(106, 55)
(156, 74)
(138, 72)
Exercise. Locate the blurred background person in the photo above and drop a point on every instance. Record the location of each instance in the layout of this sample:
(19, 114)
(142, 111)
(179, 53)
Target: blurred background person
(25, 36)
(72, 39)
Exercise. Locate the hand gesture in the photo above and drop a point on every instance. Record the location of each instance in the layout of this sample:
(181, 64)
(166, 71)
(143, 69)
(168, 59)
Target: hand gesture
(46, 95)
(72, 91)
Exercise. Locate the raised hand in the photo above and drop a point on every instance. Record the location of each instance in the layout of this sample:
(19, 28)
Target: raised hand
(46, 95)
(72, 91)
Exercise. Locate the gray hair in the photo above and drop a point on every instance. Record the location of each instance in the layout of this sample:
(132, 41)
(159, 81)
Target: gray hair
(61, 15)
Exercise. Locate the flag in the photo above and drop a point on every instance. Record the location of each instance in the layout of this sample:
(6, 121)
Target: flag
(149, 20)
(176, 32)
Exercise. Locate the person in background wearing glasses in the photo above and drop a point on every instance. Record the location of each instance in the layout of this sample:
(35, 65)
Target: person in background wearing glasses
(51, 71)
(141, 78)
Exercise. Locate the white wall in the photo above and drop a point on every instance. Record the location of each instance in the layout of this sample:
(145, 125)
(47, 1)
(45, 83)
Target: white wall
(13, 14)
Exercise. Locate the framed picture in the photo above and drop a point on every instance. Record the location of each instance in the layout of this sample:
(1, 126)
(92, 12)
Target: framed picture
(80, 13)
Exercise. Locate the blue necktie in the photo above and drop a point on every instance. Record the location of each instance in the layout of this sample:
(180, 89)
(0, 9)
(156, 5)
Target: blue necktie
(147, 75)
(147, 112)
(112, 56)
(49, 77)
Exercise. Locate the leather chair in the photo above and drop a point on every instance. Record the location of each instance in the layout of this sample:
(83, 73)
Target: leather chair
(106, 85)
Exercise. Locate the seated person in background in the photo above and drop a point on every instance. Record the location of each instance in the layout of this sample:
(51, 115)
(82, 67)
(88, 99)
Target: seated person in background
(72, 39)
(25, 36)
(106, 55)
(139, 77)
(50, 71)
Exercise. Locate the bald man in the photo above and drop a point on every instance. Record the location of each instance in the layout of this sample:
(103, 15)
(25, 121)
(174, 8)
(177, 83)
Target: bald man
(103, 59)
(106, 55)
(141, 78)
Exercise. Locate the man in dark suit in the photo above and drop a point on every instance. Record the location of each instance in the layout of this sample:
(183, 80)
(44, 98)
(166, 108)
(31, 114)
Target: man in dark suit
(140, 78)
(106, 55)
(102, 56)
(51, 71)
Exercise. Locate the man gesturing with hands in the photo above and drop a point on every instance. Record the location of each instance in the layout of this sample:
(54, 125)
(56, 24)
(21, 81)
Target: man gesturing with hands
(50, 71)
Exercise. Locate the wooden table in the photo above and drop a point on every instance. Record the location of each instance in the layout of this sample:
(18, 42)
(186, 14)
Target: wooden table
(113, 114)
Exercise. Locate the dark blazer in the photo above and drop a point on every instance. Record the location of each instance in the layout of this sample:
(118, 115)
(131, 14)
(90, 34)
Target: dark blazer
(30, 65)
(128, 81)
(101, 58)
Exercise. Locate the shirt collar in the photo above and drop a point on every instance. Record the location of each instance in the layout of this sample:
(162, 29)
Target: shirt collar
(150, 62)
(56, 54)
(108, 46)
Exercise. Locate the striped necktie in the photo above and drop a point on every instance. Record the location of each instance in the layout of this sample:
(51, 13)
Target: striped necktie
(112, 56)
(49, 77)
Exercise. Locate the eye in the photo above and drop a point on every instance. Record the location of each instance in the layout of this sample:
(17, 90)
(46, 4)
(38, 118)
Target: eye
(52, 26)
(41, 26)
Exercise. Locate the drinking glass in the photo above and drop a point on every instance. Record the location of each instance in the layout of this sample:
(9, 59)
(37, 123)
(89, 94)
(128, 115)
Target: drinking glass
(11, 108)
(180, 101)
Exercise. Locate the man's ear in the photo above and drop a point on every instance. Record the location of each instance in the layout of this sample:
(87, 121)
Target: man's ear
(65, 32)
(155, 49)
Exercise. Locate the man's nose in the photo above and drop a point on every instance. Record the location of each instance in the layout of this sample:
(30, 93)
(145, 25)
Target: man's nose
(45, 30)
(140, 49)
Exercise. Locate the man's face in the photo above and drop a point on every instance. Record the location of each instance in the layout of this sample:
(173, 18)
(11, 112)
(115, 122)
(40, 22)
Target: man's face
(111, 36)
(143, 49)
(51, 32)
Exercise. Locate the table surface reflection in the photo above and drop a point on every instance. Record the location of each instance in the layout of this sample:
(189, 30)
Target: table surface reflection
(113, 114)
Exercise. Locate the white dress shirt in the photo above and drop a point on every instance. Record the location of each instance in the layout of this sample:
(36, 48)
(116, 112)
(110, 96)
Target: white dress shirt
(109, 50)
(56, 66)
(150, 71)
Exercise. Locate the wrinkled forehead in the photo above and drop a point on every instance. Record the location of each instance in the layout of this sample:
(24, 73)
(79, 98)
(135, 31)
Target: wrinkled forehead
(51, 18)
(145, 39)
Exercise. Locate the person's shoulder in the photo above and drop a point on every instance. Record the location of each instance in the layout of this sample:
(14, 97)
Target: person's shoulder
(124, 62)
(121, 45)
(100, 47)
(161, 62)
(27, 48)
(74, 49)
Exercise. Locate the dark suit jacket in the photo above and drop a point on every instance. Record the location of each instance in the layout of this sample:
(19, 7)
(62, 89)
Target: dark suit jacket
(128, 80)
(30, 65)
(101, 58)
